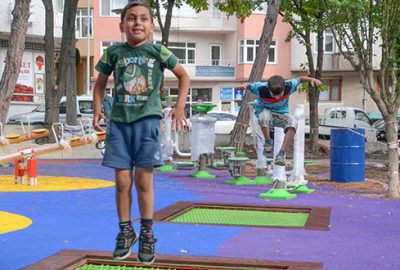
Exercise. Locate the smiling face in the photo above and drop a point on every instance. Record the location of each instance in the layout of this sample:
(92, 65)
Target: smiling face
(137, 25)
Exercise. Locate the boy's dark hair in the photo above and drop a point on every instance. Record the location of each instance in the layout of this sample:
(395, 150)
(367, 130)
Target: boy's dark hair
(276, 84)
(134, 4)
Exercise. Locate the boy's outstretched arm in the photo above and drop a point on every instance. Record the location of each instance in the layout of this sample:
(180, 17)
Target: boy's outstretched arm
(98, 92)
(243, 86)
(314, 82)
(177, 112)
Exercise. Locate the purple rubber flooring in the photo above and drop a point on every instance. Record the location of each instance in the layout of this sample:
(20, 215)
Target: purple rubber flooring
(364, 232)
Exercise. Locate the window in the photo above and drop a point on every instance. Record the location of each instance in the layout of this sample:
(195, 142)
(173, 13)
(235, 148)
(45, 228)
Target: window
(201, 94)
(60, 6)
(81, 23)
(183, 11)
(105, 44)
(261, 9)
(248, 49)
(215, 55)
(107, 7)
(85, 106)
(327, 42)
(215, 13)
(361, 116)
(334, 91)
(185, 51)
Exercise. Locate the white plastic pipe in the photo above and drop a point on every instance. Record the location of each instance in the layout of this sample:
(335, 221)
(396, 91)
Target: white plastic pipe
(167, 143)
(176, 147)
(279, 171)
(297, 175)
(258, 140)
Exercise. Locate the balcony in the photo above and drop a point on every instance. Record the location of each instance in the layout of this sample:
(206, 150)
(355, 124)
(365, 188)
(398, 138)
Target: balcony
(340, 63)
(207, 69)
(215, 71)
(215, 68)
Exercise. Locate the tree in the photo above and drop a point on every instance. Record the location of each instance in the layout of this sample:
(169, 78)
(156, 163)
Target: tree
(197, 5)
(243, 9)
(66, 79)
(15, 52)
(359, 26)
(51, 94)
(307, 17)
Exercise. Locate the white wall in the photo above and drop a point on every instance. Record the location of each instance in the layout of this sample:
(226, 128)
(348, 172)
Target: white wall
(37, 19)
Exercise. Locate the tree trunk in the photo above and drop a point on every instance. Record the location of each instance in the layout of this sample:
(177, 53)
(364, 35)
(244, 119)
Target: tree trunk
(314, 92)
(66, 79)
(238, 134)
(167, 23)
(51, 94)
(15, 52)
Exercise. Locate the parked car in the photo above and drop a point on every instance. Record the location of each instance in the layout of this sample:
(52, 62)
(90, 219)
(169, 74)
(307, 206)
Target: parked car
(84, 105)
(225, 122)
(381, 132)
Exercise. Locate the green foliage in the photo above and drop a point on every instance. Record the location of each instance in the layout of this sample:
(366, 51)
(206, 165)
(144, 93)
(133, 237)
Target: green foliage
(305, 88)
(197, 5)
(240, 8)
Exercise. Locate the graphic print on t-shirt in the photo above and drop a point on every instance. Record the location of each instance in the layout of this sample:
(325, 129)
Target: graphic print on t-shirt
(133, 80)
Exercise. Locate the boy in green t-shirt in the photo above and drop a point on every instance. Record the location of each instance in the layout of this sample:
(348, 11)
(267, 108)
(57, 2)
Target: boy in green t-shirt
(133, 132)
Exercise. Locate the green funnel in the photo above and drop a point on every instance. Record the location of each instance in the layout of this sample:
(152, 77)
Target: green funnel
(203, 107)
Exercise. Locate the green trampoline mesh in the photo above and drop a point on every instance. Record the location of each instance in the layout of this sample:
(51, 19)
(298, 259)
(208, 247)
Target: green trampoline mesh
(242, 217)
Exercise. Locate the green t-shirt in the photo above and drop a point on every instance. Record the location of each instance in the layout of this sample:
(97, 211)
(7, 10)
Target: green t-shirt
(138, 73)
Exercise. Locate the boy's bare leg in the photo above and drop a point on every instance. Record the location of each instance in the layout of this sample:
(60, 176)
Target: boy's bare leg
(145, 192)
(265, 131)
(289, 136)
(123, 193)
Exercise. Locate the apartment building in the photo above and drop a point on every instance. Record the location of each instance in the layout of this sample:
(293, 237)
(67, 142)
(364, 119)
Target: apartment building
(217, 51)
(343, 82)
(30, 88)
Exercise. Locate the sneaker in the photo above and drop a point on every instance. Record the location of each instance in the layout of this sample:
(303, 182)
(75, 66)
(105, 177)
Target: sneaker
(146, 253)
(280, 159)
(268, 146)
(124, 244)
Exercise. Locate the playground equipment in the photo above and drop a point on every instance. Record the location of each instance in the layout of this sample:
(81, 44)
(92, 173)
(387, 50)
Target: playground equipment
(24, 158)
(237, 166)
(225, 153)
(279, 189)
(202, 138)
(170, 145)
(296, 179)
(167, 143)
(262, 177)
(25, 136)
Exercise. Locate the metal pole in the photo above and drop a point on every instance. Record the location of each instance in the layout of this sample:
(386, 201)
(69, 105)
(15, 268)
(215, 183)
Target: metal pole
(88, 49)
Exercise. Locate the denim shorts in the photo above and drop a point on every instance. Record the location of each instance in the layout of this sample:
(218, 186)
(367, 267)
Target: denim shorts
(266, 118)
(136, 144)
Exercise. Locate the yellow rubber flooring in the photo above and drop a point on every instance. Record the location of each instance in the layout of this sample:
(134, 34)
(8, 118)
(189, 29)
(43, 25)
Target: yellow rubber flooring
(52, 183)
(12, 222)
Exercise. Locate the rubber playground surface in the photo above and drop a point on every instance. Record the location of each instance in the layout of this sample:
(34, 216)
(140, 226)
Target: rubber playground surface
(73, 208)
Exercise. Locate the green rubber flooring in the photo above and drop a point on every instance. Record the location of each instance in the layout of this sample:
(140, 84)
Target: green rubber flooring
(242, 217)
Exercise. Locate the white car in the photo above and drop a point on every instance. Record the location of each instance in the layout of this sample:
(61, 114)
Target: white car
(84, 105)
(225, 122)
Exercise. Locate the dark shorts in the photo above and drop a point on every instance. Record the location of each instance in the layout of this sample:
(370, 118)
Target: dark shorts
(136, 144)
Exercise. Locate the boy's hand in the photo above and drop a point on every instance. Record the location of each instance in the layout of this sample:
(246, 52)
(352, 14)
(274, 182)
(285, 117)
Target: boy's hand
(96, 120)
(178, 116)
(315, 82)
(243, 86)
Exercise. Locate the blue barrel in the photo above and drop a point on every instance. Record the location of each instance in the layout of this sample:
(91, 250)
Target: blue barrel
(347, 155)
